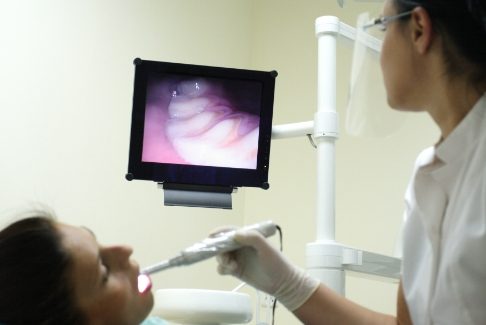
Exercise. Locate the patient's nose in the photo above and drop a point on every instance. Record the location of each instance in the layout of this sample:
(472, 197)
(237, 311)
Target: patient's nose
(119, 253)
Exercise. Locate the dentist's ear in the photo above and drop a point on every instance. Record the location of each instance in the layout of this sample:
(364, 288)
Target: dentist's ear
(422, 32)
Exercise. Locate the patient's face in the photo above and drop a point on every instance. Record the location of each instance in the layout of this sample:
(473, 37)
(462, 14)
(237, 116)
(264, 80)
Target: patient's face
(104, 279)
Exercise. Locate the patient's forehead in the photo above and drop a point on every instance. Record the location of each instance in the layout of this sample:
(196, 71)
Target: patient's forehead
(83, 250)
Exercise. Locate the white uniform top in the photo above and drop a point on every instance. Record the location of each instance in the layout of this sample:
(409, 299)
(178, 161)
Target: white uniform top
(444, 248)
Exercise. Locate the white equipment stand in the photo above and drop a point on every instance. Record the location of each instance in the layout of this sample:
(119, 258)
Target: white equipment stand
(327, 259)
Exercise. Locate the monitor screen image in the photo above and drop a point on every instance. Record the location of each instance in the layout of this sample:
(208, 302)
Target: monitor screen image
(201, 125)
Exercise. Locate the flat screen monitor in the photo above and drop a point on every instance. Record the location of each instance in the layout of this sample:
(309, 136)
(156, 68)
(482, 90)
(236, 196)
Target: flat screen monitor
(201, 125)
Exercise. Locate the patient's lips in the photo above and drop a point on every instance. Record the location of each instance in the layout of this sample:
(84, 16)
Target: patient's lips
(205, 129)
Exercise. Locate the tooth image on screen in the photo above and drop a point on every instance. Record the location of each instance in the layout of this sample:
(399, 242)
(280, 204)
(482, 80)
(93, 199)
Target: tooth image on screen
(202, 121)
(205, 129)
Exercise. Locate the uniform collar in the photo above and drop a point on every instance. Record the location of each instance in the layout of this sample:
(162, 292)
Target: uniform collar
(465, 134)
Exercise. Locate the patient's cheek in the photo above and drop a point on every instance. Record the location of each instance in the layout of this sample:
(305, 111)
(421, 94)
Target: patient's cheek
(208, 131)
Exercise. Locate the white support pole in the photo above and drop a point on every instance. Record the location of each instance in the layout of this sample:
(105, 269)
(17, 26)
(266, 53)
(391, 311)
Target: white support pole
(326, 126)
(324, 256)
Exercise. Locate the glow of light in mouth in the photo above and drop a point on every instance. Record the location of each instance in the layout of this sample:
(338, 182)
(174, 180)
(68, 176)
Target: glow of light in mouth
(144, 283)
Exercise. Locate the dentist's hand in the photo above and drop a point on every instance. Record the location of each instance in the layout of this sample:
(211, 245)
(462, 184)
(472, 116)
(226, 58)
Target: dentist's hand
(262, 266)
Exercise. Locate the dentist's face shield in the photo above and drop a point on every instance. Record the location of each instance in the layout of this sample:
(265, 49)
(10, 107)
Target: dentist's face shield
(368, 113)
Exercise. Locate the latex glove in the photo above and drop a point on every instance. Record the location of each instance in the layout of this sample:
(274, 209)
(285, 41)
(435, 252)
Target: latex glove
(262, 266)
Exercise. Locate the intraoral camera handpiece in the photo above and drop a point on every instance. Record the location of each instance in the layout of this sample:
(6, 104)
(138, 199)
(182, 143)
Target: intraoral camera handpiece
(209, 247)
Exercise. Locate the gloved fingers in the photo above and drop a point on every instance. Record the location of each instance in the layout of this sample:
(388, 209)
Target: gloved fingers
(224, 258)
(230, 268)
(228, 263)
(252, 238)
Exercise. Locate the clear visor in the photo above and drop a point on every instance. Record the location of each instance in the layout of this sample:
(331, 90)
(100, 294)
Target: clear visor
(368, 113)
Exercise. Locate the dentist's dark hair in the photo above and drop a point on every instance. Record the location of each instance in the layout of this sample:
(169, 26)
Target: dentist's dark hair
(462, 24)
(34, 288)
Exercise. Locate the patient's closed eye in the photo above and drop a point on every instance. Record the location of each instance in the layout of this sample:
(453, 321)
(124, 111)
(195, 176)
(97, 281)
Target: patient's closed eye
(105, 272)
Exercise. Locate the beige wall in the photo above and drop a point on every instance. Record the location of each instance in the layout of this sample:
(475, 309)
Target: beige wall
(65, 100)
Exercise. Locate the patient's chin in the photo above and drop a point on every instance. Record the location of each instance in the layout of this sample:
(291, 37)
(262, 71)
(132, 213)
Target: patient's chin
(214, 134)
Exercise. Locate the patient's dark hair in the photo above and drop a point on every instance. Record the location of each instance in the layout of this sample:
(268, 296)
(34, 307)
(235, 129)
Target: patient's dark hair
(34, 287)
(463, 25)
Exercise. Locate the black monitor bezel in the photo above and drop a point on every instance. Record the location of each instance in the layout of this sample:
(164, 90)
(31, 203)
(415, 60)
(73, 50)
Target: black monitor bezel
(193, 174)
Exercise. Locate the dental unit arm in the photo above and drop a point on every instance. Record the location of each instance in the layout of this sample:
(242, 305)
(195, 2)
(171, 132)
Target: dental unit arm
(209, 247)
(326, 258)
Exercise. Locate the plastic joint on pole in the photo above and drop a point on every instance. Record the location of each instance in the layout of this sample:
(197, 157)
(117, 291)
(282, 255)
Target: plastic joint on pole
(326, 261)
(331, 254)
(327, 24)
(326, 124)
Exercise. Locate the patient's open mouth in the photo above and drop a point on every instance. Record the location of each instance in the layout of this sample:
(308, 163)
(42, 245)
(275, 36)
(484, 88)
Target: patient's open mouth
(144, 283)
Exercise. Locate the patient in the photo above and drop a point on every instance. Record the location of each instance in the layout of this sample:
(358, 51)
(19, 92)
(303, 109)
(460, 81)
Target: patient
(53, 273)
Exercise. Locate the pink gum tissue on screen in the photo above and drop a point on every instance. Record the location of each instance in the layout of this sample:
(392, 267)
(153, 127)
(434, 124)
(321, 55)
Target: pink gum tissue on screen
(205, 129)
